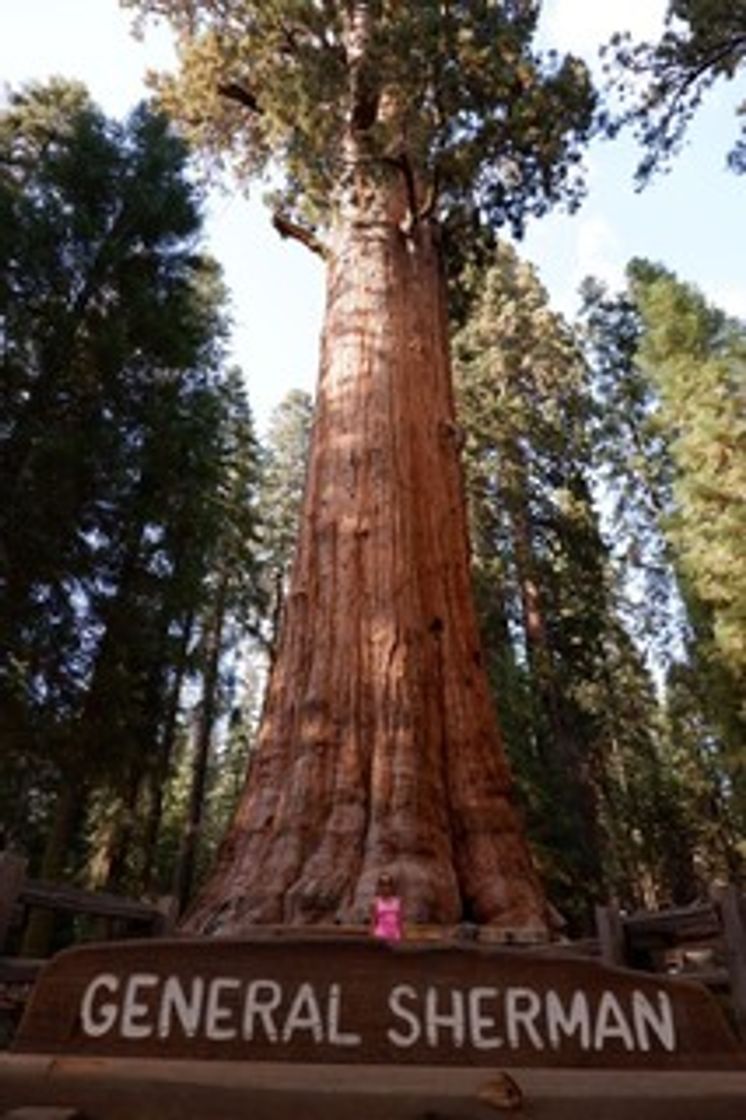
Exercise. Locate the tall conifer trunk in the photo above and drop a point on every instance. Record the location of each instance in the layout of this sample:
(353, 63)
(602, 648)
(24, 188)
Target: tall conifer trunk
(379, 746)
(214, 623)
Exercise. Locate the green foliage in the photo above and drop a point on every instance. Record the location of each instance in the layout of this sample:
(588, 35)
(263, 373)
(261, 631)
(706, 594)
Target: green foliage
(538, 560)
(669, 373)
(125, 454)
(704, 41)
(712, 805)
(452, 89)
(696, 359)
(82, 272)
(286, 450)
(632, 465)
(585, 731)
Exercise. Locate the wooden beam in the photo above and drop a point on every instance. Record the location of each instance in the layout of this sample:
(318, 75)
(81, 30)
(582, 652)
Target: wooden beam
(734, 932)
(63, 898)
(611, 935)
(168, 915)
(150, 1090)
(19, 970)
(672, 927)
(43, 1112)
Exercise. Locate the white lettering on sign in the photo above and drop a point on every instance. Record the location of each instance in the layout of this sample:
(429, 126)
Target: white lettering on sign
(522, 1009)
(442, 1017)
(567, 1022)
(97, 1019)
(659, 1020)
(176, 1004)
(263, 997)
(400, 992)
(304, 1015)
(220, 1019)
(135, 1011)
(480, 1021)
(338, 1037)
(611, 1023)
(448, 1019)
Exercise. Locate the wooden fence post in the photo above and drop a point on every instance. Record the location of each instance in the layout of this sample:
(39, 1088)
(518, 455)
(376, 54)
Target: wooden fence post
(168, 906)
(12, 875)
(734, 933)
(611, 935)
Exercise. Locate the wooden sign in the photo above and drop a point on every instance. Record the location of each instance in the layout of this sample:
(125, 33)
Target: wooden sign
(314, 1001)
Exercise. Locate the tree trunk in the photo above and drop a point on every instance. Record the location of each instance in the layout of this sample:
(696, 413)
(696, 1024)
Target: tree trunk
(183, 878)
(562, 751)
(379, 747)
(158, 776)
(39, 932)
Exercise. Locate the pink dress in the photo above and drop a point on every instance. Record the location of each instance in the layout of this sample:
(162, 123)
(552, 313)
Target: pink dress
(387, 918)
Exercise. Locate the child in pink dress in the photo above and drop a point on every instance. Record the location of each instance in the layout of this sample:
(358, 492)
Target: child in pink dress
(387, 910)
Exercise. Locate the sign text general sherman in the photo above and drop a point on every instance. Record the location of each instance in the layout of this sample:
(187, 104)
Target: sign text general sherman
(354, 1001)
(145, 1005)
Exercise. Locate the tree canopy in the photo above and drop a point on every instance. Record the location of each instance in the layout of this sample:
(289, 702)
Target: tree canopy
(670, 370)
(451, 93)
(664, 83)
(128, 467)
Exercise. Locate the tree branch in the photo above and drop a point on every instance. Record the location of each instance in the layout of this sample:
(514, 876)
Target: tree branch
(431, 199)
(307, 237)
(234, 91)
(365, 109)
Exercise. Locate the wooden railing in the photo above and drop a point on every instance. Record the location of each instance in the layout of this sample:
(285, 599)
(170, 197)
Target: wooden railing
(704, 942)
(18, 894)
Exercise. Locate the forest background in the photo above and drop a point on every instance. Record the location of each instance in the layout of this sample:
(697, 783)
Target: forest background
(605, 463)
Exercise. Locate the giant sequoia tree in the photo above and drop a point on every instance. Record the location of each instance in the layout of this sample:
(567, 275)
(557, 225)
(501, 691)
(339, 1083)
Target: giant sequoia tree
(379, 746)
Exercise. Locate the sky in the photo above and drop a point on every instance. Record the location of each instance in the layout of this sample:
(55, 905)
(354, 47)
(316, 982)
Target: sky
(691, 220)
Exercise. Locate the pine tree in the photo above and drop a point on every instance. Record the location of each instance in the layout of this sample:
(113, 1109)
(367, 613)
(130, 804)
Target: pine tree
(696, 358)
(520, 392)
(283, 482)
(111, 452)
(234, 607)
(704, 42)
(632, 462)
(672, 366)
(379, 746)
(582, 720)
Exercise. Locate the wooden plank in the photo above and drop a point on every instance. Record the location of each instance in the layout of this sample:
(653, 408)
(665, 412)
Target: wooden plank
(716, 979)
(611, 935)
(19, 970)
(344, 1001)
(121, 1090)
(61, 897)
(647, 930)
(12, 875)
(734, 931)
(168, 915)
(325, 932)
(43, 1112)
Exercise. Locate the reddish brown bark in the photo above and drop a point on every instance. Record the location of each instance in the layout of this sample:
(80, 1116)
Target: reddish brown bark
(379, 746)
